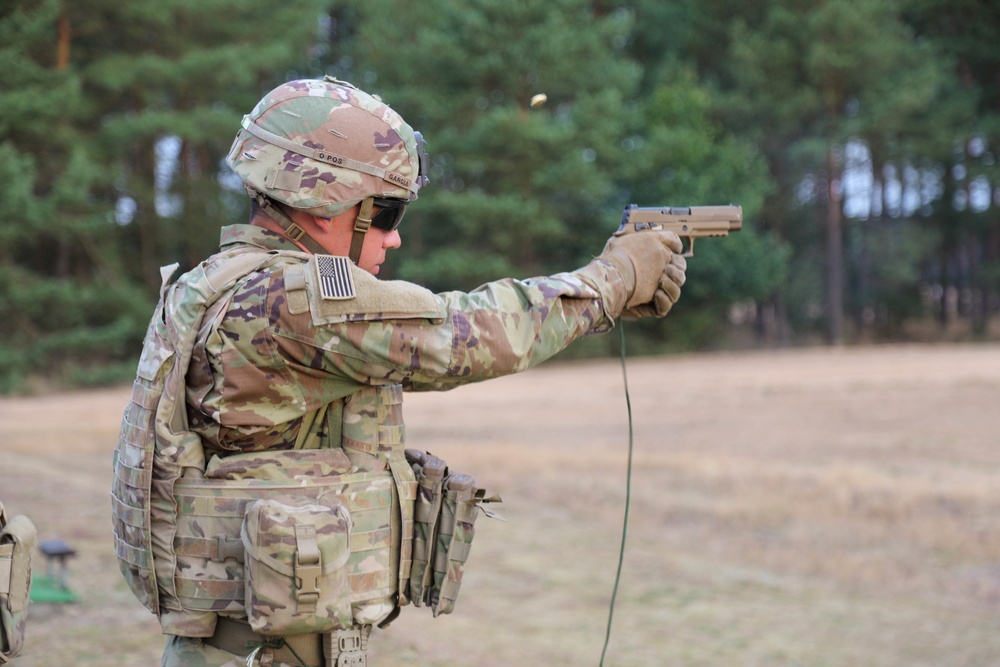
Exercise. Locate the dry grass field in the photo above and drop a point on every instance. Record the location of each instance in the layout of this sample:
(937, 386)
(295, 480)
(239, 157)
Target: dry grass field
(796, 508)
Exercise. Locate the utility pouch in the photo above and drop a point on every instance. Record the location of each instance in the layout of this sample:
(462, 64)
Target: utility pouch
(295, 570)
(17, 541)
(447, 506)
(429, 471)
(454, 539)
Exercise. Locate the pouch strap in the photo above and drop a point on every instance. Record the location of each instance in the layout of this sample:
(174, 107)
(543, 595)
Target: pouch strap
(217, 547)
(17, 541)
(6, 564)
(308, 568)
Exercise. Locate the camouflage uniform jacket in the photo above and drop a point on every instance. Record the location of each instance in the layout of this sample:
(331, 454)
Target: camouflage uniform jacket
(244, 356)
(265, 371)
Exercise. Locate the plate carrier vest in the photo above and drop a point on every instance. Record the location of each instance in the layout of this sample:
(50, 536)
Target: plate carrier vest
(178, 531)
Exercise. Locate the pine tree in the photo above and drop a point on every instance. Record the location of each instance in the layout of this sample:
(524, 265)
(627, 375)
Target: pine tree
(61, 289)
(967, 213)
(515, 189)
(173, 79)
(806, 81)
(520, 190)
(114, 118)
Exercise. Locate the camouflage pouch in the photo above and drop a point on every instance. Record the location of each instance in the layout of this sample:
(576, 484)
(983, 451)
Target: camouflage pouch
(296, 577)
(17, 541)
(447, 506)
(429, 471)
(459, 509)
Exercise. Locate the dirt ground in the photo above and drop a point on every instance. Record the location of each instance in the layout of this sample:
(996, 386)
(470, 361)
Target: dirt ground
(818, 507)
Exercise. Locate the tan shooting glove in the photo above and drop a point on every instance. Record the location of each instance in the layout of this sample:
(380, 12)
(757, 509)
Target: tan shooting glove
(652, 268)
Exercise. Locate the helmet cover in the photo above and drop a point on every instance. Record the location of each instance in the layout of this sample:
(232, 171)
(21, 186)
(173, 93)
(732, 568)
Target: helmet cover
(324, 145)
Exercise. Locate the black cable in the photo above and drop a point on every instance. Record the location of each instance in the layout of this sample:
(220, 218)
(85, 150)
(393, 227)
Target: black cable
(628, 496)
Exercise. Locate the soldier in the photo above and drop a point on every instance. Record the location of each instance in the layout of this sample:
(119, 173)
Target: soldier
(263, 504)
(17, 542)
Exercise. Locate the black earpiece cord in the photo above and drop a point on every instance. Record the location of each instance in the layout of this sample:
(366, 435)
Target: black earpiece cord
(628, 496)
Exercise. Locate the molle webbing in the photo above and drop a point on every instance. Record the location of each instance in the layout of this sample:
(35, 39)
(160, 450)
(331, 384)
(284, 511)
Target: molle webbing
(154, 444)
(217, 508)
(445, 513)
(176, 528)
(379, 499)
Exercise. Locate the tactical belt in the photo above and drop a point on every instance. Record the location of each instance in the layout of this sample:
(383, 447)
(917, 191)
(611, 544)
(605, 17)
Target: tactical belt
(342, 647)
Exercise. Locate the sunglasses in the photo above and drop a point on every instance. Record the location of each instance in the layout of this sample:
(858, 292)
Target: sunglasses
(390, 213)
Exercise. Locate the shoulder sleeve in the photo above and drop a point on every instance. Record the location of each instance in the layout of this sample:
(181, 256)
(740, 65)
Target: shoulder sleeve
(346, 293)
(394, 331)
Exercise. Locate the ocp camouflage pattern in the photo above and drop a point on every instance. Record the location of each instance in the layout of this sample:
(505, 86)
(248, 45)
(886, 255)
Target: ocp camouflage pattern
(265, 377)
(334, 119)
(18, 539)
(243, 362)
(296, 558)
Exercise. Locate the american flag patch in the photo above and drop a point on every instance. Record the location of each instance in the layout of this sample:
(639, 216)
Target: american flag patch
(335, 279)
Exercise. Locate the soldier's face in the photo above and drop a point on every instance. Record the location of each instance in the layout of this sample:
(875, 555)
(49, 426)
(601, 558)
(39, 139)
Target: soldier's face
(377, 244)
(335, 235)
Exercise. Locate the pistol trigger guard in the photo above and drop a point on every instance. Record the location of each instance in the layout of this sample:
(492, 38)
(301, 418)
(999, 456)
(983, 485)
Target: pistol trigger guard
(689, 251)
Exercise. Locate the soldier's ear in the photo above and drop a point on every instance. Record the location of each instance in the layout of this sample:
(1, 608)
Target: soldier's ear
(344, 221)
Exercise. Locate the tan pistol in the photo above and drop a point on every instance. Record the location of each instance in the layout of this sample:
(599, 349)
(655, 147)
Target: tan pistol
(688, 222)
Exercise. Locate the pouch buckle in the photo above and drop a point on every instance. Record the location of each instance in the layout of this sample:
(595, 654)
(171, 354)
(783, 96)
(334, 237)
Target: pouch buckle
(308, 568)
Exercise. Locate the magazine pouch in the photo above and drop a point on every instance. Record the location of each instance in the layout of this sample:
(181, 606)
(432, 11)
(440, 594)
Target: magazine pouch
(445, 513)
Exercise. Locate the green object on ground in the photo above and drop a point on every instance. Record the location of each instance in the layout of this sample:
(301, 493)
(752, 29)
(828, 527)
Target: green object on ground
(48, 589)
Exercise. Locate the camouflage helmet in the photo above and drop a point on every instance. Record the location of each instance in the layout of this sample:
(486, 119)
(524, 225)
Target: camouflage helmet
(324, 146)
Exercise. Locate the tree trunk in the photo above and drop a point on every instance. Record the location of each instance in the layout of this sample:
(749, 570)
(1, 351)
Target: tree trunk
(63, 243)
(977, 288)
(992, 259)
(62, 50)
(834, 251)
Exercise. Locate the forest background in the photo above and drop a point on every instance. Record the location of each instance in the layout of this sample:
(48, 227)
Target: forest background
(860, 137)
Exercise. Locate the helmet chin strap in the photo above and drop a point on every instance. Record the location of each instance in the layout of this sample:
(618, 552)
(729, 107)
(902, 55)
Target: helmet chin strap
(292, 230)
(361, 225)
